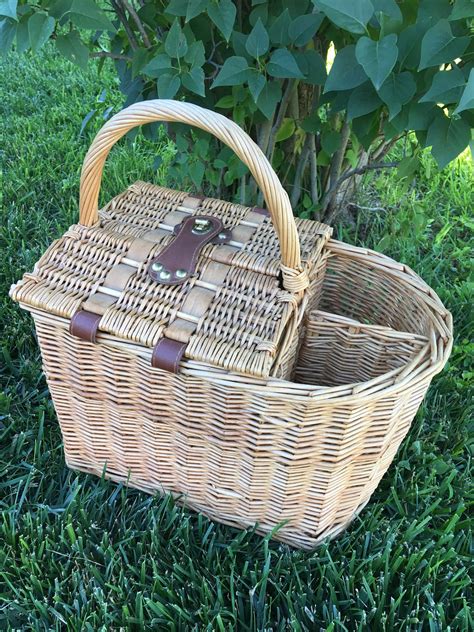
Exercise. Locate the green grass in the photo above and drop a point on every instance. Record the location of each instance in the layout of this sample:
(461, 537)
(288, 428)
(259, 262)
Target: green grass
(80, 553)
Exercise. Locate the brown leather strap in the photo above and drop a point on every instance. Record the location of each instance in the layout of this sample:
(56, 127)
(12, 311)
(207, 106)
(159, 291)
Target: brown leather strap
(167, 355)
(176, 263)
(199, 298)
(84, 325)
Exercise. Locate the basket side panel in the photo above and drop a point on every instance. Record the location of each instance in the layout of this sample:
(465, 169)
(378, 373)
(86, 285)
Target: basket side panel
(237, 455)
(336, 350)
(356, 453)
(358, 289)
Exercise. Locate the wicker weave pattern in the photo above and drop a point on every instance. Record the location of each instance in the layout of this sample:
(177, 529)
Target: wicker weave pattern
(245, 450)
(337, 350)
(243, 327)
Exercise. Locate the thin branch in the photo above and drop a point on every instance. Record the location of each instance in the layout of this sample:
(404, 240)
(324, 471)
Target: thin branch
(349, 174)
(123, 19)
(375, 209)
(213, 75)
(384, 147)
(104, 53)
(290, 86)
(137, 21)
(336, 163)
(243, 182)
(294, 105)
(380, 146)
(219, 183)
(308, 151)
(272, 131)
(360, 170)
(239, 13)
(291, 163)
(263, 134)
(335, 170)
(325, 171)
(211, 54)
(300, 169)
(313, 170)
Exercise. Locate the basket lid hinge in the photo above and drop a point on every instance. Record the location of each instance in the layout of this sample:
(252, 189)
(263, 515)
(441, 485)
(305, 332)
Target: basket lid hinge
(167, 354)
(84, 325)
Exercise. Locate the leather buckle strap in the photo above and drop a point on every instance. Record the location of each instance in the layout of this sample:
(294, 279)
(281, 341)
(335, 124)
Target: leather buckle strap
(84, 325)
(191, 235)
(177, 262)
(167, 354)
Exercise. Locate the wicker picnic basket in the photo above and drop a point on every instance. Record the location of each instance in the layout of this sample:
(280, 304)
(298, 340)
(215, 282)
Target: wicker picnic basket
(239, 359)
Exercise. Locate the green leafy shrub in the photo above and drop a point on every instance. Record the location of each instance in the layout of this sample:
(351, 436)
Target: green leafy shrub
(325, 87)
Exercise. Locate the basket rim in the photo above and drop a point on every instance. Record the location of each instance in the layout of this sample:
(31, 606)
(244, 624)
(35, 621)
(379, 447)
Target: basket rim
(427, 363)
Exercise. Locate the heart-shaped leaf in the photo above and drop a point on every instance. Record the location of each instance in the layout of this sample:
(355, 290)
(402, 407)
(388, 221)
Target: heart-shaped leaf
(8, 8)
(467, 99)
(312, 66)
(446, 87)
(40, 27)
(279, 30)
(448, 137)
(176, 44)
(269, 97)
(286, 130)
(387, 8)
(351, 15)
(223, 13)
(85, 14)
(194, 81)
(363, 100)
(377, 57)
(304, 27)
(7, 35)
(396, 91)
(194, 8)
(157, 66)
(234, 71)
(439, 45)
(168, 86)
(346, 72)
(258, 41)
(22, 35)
(196, 55)
(282, 65)
(73, 48)
(462, 9)
(256, 83)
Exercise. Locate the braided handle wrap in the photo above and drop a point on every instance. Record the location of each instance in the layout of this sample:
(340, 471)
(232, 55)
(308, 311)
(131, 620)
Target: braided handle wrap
(294, 278)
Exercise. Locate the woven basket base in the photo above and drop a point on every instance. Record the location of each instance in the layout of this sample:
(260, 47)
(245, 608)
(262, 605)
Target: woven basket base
(281, 533)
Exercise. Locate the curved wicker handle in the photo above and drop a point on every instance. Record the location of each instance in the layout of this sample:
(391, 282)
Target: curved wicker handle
(278, 203)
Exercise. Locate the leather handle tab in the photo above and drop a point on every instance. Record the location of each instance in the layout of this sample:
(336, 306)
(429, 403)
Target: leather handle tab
(167, 354)
(177, 262)
(84, 325)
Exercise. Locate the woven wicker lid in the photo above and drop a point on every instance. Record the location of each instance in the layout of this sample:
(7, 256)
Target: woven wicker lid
(240, 308)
